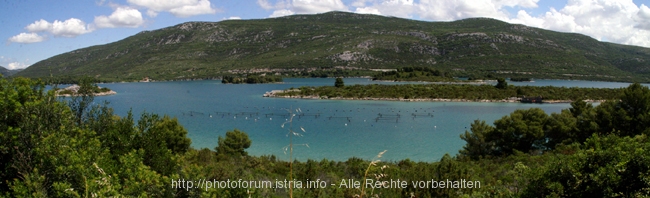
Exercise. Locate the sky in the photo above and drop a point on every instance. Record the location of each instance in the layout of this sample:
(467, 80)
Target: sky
(34, 30)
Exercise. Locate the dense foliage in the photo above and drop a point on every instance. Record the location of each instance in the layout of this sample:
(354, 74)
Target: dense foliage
(456, 91)
(251, 79)
(47, 151)
(338, 83)
(414, 74)
(520, 79)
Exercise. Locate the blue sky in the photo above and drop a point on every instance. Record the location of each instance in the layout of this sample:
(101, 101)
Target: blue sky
(34, 30)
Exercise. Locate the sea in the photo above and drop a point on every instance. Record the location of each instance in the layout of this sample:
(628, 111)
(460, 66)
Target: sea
(321, 129)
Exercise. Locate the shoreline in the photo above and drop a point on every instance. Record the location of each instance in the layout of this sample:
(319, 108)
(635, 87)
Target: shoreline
(272, 94)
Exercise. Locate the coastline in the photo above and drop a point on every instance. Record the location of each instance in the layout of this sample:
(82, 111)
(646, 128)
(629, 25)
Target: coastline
(272, 94)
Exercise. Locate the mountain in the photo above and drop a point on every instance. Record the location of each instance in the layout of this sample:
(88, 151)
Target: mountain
(478, 46)
(8, 72)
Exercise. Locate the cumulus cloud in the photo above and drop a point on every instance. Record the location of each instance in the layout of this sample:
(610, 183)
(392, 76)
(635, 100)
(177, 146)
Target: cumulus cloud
(17, 65)
(179, 8)
(69, 28)
(516, 3)
(121, 17)
(618, 21)
(234, 18)
(268, 6)
(289, 7)
(643, 17)
(27, 38)
(317, 6)
(367, 10)
(39, 26)
(281, 13)
(461, 9)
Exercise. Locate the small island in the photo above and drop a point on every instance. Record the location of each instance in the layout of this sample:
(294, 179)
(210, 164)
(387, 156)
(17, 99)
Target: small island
(73, 90)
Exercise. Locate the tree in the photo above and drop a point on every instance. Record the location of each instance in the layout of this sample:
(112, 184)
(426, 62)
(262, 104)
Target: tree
(635, 101)
(81, 100)
(501, 83)
(161, 139)
(234, 143)
(561, 129)
(477, 144)
(339, 83)
(523, 130)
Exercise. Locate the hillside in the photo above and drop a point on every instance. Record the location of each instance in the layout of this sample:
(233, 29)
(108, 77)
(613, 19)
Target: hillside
(8, 72)
(467, 47)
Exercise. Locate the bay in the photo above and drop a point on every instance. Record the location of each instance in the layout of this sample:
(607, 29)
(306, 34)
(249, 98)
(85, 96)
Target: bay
(343, 129)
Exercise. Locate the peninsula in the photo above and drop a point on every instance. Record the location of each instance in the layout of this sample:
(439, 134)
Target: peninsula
(451, 93)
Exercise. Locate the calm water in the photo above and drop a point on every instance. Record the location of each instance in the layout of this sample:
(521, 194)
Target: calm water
(420, 138)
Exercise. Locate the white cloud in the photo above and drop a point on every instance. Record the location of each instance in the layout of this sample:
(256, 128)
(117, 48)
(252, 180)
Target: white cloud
(121, 17)
(289, 7)
(618, 21)
(27, 38)
(516, 3)
(643, 17)
(317, 6)
(461, 9)
(359, 3)
(39, 26)
(17, 65)
(179, 8)
(281, 13)
(69, 28)
(152, 13)
(368, 10)
(234, 18)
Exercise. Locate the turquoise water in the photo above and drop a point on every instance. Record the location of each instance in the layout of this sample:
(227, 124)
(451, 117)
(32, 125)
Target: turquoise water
(421, 138)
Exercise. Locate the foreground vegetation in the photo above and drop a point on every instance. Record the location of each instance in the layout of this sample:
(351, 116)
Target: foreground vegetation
(51, 148)
(454, 91)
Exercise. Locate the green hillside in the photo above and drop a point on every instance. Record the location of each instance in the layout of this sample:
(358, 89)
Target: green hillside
(4, 71)
(470, 47)
(8, 72)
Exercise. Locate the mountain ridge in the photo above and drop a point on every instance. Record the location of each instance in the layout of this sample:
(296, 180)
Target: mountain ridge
(8, 72)
(303, 43)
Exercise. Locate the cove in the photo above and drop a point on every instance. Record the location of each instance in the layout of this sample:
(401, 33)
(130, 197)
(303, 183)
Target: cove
(335, 129)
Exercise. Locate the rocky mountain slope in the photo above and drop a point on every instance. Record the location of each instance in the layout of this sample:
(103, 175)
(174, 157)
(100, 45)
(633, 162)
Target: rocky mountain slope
(304, 43)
